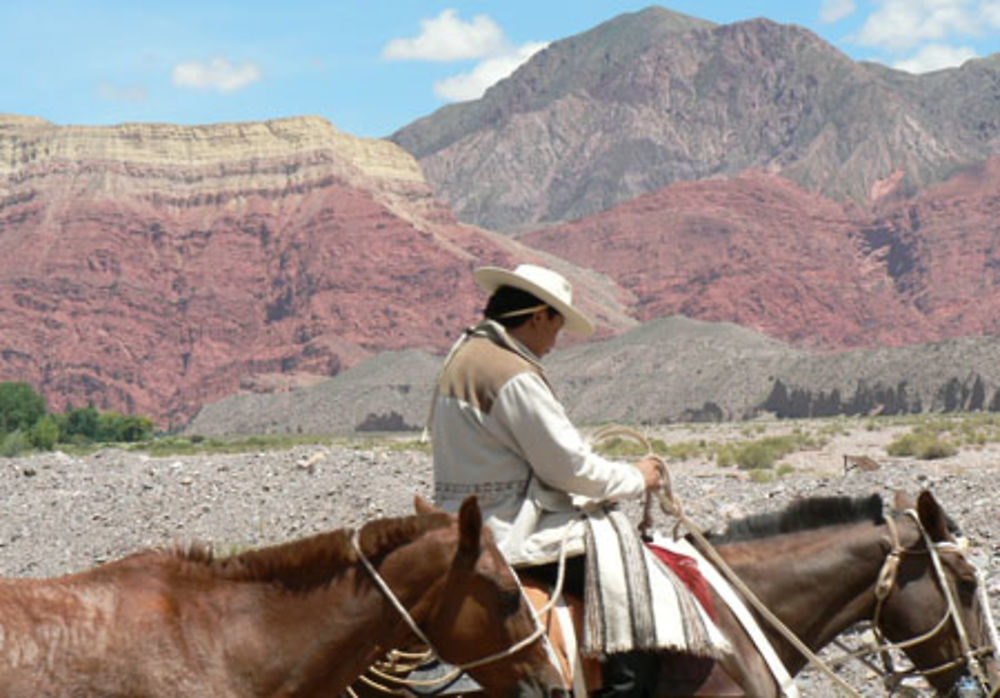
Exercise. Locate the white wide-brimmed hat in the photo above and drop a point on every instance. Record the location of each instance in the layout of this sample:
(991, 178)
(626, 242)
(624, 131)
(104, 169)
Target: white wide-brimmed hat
(548, 286)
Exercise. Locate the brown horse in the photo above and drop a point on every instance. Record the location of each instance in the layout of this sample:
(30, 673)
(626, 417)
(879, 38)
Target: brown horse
(301, 619)
(817, 567)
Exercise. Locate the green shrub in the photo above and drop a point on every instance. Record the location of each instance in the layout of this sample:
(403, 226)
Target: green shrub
(44, 435)
(14, 443)
(935, 448)
(761, 475)
(756, 455)
(20, 407)
(685, 450)
(80, 422)
(921, 444)
(127, 428)
(616, 447)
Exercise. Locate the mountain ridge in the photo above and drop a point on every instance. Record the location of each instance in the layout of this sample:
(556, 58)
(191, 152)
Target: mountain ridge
(713, 100)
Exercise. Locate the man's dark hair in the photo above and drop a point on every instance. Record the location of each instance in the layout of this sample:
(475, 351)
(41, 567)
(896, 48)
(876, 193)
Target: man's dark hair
(508, 299)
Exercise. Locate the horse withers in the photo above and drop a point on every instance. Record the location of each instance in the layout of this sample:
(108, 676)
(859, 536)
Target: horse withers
(301, 619)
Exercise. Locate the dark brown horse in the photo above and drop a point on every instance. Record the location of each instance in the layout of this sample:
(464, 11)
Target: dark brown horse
(817, 566)
(301, 619)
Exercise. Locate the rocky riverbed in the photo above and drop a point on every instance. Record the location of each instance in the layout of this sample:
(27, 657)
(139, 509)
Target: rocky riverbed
(63, 513)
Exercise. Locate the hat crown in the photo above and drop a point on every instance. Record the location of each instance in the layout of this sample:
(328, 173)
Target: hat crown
(553, 282)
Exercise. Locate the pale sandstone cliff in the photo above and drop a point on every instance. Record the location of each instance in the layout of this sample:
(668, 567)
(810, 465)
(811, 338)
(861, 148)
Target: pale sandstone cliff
(151, 267)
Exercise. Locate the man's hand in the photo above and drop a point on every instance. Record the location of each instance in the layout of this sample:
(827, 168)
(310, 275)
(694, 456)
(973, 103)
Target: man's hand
(651, 468)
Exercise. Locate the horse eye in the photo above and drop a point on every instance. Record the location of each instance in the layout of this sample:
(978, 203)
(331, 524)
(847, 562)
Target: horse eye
(966, 585)
(510, 600)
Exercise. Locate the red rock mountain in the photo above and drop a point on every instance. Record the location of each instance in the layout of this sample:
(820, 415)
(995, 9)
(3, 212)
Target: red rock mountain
(759, 251)
(152, 268)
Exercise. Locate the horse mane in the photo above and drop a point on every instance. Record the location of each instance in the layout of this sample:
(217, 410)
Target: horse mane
(803, 515)
(310, 562)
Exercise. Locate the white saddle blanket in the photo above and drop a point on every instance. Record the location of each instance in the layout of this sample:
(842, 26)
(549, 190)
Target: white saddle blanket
(633, 601)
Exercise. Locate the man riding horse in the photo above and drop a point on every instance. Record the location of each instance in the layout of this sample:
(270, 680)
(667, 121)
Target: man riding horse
(500, 433)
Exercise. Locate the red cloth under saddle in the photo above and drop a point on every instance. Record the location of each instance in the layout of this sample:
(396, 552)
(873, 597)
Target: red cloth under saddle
(686, 568)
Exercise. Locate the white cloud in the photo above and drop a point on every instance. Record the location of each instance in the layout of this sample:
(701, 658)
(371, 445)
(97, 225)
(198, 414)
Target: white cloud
(121, 93)
(473, 84)
(903, 24)
(991, 13)
(448, 38)
(836, 10)
(217, 74)
(935, 57)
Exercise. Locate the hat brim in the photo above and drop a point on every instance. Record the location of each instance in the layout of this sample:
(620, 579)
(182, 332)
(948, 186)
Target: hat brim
(492, 278)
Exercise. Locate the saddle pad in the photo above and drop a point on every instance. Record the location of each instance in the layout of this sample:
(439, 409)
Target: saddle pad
(742, 613)
(632, 601)
(686, 567)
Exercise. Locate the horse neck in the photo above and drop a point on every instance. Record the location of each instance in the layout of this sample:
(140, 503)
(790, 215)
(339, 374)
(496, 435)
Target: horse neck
(337, 632)
(818, 582)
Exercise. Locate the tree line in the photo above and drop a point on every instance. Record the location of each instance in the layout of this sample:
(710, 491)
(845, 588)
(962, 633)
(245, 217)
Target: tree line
(26, 423)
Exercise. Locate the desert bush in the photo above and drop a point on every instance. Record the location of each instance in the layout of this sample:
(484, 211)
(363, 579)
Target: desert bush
(761, 475)
(756, 455)
(617, 447)
(763, 453)
(81, 423)
(922, 445)
(784, 469)
(685, 450)
(44, 435)
(20, 407)
(14, 443)
(125, 428)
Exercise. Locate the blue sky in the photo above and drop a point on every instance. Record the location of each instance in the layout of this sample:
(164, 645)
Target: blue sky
(372, 67)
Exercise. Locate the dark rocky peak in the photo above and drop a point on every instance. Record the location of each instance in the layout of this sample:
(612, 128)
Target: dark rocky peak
(653, 97)
(577, 63)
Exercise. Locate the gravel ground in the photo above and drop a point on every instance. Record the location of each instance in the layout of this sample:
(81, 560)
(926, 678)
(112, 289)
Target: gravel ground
(64, 513)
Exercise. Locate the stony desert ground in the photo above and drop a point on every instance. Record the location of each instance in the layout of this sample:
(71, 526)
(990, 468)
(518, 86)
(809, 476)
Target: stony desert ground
(63, 513)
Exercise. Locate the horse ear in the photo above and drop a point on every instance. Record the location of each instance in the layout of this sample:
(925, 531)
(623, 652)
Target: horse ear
(422, 506)
(932, 516)
(903, 501)
(470, 526)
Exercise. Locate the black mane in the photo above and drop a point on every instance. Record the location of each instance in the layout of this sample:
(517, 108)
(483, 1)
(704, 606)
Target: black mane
(803, 515)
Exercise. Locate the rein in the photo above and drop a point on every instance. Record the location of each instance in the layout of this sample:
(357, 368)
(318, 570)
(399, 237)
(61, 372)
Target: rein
(432, 652)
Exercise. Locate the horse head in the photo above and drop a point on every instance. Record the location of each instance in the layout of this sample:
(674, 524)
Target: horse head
(482, 621)
(933, 606)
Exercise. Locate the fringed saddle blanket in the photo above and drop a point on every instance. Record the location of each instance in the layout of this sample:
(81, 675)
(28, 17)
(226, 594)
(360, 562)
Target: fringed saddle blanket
(633, 601)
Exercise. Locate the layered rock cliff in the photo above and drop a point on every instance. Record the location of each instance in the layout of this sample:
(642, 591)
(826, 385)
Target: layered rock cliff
(151, 267)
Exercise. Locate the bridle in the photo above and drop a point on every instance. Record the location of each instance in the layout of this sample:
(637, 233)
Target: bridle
(970, 657)
(458, 669)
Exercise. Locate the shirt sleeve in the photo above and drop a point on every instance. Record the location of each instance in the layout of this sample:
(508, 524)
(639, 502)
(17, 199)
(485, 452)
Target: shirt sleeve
(530, 414)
